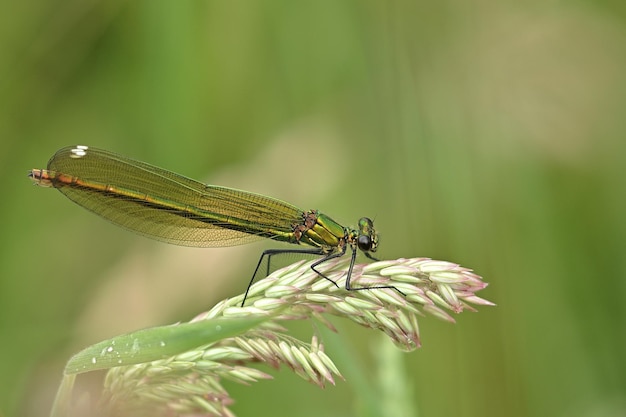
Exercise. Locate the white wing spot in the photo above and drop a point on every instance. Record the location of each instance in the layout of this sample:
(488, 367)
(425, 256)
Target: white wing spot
(79, 151)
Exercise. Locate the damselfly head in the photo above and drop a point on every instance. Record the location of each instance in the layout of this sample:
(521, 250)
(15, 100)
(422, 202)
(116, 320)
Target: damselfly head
(368, 238)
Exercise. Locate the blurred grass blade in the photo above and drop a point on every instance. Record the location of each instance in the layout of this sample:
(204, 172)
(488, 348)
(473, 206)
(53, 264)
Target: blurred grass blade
(60, 408)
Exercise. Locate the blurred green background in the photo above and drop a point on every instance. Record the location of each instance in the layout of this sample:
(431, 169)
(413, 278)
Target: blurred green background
(490, 133)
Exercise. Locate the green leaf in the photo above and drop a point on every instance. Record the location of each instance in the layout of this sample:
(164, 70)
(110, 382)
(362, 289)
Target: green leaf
(157, 343)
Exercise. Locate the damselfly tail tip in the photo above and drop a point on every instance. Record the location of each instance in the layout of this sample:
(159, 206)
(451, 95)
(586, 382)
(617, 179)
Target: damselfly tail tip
(39, 177)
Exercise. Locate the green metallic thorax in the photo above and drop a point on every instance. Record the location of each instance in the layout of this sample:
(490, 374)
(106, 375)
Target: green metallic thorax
(321, 231)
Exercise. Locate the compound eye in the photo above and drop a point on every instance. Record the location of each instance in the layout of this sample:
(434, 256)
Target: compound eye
(364, 243)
